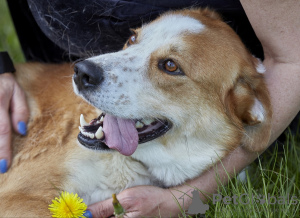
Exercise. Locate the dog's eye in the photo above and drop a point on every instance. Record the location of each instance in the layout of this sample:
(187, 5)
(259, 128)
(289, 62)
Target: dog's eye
(132, 39)
(169, 66)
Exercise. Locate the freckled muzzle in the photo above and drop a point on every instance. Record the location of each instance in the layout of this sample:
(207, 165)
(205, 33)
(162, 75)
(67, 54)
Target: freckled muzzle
(108, 132)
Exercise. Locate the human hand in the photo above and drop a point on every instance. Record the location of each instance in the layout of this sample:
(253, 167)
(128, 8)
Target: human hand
(139, 201)
(13, 113)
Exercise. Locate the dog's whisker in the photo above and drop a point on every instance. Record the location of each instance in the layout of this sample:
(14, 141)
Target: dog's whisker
(78, 60)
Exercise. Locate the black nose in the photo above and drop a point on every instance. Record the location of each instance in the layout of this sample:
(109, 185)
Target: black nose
(87, 75)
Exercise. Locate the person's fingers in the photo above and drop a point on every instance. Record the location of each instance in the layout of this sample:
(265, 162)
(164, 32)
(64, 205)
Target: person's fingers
(19, 110)
(12, 100)
(5, 134)
(101, 209)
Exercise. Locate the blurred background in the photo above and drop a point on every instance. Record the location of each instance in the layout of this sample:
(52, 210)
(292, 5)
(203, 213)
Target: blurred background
(8, 37)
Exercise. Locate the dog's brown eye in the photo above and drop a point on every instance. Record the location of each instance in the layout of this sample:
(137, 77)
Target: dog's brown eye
(171, 66)
(132, 39)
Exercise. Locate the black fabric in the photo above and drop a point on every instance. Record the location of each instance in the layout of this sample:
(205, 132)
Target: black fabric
(6, 64)
(35, 45)
(83, 28)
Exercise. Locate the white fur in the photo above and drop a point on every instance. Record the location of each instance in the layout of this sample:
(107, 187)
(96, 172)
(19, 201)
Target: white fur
(258, 110)
(104, 173)
(167, 30)
(182, 161)
(260, 68)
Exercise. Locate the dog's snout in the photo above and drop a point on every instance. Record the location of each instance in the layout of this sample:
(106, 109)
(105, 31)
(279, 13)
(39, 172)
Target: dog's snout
(87, 75)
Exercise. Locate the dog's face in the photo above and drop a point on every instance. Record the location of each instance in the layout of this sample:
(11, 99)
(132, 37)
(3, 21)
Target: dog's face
(185, 74)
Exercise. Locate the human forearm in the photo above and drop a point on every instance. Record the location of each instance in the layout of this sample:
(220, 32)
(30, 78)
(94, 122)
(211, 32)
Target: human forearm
(283, 82)
(277, 25)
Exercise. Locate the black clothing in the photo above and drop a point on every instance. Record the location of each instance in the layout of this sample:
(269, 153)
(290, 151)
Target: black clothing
(81, 28)
(6, 64)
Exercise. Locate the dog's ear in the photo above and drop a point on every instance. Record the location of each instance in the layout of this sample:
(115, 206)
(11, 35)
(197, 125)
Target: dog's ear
(248, 105)
(211, 14)
(206, 12)
(243, 105)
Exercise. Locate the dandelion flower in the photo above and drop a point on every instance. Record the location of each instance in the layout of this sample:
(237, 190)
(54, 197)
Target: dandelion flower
(67, 206)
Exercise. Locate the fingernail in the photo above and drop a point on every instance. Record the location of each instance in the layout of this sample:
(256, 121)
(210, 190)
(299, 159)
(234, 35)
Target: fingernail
(3, 166)
(88, 214)
(22, 128)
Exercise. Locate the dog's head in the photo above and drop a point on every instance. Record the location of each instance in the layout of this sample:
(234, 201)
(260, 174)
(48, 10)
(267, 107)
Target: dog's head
(185, 74)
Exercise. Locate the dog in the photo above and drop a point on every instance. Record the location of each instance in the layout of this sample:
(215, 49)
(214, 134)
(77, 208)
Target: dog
(182, 94)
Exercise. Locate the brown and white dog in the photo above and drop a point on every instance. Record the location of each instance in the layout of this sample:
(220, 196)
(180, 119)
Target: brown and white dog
(182, 94)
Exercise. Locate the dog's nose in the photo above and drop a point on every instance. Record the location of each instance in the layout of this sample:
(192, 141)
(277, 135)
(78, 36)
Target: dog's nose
(87, 75)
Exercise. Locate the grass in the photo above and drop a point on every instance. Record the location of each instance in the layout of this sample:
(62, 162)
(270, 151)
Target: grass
(276, 173)
(8, 38)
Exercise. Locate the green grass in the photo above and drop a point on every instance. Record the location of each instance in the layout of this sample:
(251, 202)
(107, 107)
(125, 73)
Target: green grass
(8, 38)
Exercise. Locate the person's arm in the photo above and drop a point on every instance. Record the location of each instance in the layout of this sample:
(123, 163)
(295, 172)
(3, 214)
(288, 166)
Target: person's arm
(13, 110)
(277, 25)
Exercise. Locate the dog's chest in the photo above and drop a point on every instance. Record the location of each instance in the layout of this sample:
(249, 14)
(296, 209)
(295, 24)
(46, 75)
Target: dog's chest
(96, 176)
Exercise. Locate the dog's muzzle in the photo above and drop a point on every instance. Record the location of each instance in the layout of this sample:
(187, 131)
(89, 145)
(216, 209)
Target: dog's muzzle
(87, 75)
(109, 132)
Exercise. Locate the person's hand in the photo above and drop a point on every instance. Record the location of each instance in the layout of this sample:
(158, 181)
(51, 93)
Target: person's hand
(13, 113)
(140, 201)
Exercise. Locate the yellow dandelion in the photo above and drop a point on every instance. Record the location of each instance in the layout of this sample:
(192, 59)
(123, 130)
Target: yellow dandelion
(67, 206)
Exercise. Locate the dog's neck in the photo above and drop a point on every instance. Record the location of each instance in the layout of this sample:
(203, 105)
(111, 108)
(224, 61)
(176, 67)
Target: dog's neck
(175, 162)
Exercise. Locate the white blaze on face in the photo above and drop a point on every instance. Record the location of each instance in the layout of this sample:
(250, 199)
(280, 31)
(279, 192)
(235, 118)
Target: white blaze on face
(167, 30)
(125, 72)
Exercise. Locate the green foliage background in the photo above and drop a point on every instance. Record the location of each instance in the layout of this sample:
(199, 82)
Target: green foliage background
(8, 37)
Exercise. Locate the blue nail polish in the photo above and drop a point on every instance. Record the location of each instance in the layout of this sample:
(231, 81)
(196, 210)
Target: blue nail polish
(22, 128)
(88, 214)
(3, 166)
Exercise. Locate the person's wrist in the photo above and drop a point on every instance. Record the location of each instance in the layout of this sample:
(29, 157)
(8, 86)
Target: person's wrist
(6, 64)
(169, 202)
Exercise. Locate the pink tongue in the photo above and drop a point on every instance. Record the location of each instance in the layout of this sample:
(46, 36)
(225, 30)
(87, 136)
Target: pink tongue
(120, 134)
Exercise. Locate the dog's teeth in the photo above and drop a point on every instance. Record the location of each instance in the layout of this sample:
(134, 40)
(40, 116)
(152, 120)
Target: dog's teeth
(138, 125)
(82, 121)
(147, 121)
(102, 118)
(99, 134)
(80, 129)
(91, 135)
(88, 134)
